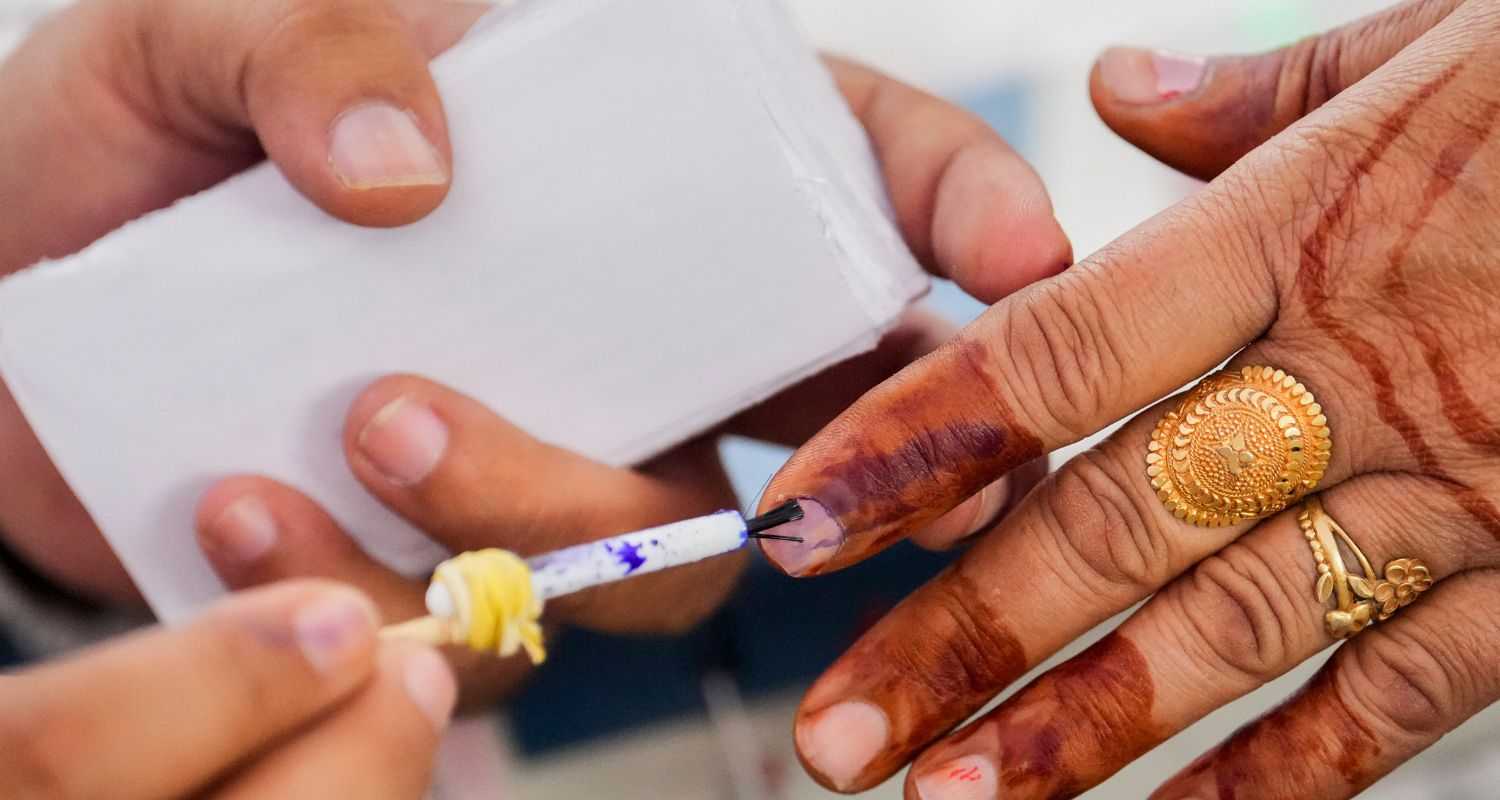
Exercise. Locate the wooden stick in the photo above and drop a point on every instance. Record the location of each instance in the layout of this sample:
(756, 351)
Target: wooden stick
(432, 630)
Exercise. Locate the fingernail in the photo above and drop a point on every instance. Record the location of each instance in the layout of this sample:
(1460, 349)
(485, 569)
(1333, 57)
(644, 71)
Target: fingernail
(821, 535)
(969, 778)
(429, 682)
(1140, 76)
(243, 532)
(334, 627)
(972, 515)
(405, 441)
(376, 145)
(992, 500)
(841, 740)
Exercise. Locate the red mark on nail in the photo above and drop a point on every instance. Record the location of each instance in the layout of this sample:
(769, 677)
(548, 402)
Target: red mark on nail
(928, 666)
(1076, 725)
(966, 775)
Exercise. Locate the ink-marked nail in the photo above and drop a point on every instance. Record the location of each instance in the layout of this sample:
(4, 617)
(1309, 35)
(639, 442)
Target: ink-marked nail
(971, 777)
(841, 740)
(404, 441)
(430, 684)
(333, 627)
(243, 532)
(376, 145)
(1145, 77)
(821, 535)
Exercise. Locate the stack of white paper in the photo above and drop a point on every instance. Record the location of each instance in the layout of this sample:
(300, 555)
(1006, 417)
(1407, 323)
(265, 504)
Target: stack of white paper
(662, 213)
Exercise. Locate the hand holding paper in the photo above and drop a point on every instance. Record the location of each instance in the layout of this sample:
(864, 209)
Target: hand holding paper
(212, 87)
(731, 174)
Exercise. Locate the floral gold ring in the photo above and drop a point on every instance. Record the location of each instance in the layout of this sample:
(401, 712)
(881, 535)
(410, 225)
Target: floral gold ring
(1358, 600)
(1242, 445)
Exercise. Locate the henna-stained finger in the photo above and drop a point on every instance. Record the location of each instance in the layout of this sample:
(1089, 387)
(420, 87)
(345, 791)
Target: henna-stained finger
(1384, 697)
(1090, 541)
(1070, 354)
(1238, 619)
(1354, 214)
(1201, 115)
(1048, 366)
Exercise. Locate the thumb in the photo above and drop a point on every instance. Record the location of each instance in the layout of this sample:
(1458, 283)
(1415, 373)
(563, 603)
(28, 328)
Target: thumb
(336, 92)
(1201, 115)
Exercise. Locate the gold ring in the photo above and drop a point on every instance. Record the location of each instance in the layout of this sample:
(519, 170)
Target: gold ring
(1242, 445)
(1359, 600)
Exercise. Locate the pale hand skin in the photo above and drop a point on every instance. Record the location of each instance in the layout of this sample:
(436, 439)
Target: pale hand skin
(1349, 235)
(280, 692)
(167, 97)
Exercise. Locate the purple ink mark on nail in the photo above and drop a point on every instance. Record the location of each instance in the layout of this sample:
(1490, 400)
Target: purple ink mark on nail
(629, 554)
(820, 535)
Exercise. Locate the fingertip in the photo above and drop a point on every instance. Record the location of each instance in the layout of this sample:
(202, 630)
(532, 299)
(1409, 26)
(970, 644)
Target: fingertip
(343, 103)
(994, 229)
(387, 158)
(236, 526)
(253, 529)
(378, 165)
(377, 397)
(1197, 115)
(1138, 77)
(426, 678)
(816, 538)
(220, 495)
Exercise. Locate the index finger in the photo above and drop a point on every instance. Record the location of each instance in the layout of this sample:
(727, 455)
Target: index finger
(1044, 368)
(162, 713)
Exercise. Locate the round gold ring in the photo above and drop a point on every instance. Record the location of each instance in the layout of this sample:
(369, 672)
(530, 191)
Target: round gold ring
(1358, 600)
(1243, 444)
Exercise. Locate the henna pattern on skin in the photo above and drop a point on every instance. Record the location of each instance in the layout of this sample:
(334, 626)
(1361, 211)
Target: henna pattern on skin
(911, 451)
(1072, 727)
(1312, 282)
(1286, 753)
(1468, 420)
(925, 684)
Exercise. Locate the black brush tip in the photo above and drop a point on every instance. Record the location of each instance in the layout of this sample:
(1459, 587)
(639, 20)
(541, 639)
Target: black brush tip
(775, 537)
(790, 511)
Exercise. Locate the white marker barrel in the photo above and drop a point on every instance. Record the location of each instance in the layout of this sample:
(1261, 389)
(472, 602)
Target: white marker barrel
(627, 555)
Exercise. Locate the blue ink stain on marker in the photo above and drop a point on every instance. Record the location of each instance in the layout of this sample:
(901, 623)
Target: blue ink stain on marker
(629, 554)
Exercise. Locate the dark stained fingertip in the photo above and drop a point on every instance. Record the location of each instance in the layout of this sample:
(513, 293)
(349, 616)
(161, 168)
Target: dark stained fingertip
(921, 685)
(1064, 733)
(907, 453)
(820, 537)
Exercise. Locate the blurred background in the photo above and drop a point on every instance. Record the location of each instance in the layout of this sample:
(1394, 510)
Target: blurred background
(710, 714)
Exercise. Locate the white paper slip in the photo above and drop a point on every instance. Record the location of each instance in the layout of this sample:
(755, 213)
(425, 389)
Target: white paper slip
(662, 212)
